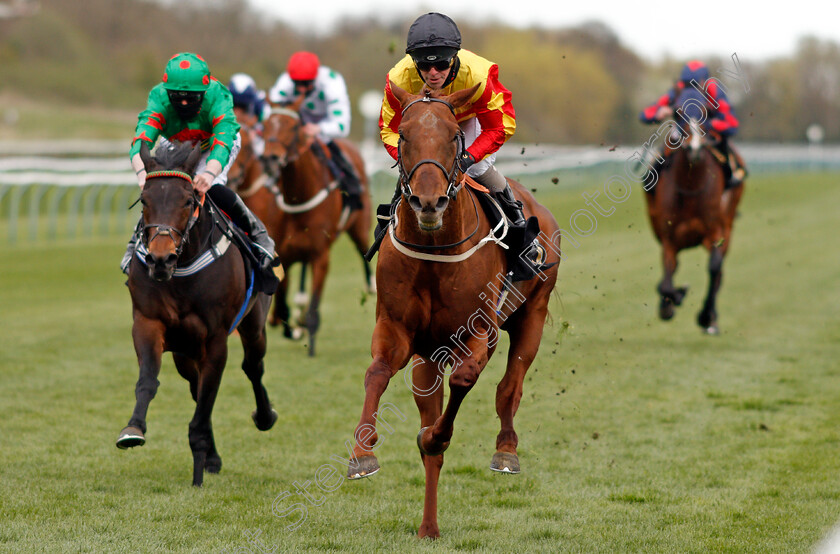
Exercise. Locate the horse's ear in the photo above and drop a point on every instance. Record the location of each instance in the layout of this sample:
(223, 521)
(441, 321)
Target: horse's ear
(192, 159)
(400, 94)
(458, 99)
(146, 156)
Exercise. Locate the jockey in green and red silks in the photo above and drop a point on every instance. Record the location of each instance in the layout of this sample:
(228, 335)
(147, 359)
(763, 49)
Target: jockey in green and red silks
(189, 105)
(204, 114)
(721, 117)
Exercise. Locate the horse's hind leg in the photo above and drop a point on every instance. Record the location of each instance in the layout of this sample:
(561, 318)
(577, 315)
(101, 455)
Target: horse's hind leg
(669, 296)
(525, 333)
(707, 318)
(148, 344)
(428, 395)
(358, 233)
(252, 334)
(188, 369)
(312, 318)
(201, 430)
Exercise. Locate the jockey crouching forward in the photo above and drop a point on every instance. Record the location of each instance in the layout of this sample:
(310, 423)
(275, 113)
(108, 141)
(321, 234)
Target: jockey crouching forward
(722, 120)
(325, 114)
(434, 60)
(191, 106)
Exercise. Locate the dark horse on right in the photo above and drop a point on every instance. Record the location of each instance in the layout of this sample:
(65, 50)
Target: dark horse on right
(689, 206)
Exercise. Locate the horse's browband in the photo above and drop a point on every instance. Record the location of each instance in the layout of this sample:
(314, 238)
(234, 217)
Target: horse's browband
(428, 99)
(170, 173)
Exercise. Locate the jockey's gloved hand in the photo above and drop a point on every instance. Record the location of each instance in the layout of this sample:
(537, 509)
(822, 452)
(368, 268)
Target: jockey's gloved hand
(466, 161)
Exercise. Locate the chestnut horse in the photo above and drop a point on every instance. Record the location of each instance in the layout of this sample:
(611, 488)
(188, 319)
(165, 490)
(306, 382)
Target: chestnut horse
(189, 290)
(689, 207)
(247, 178)
(436, 313)
(313, 212)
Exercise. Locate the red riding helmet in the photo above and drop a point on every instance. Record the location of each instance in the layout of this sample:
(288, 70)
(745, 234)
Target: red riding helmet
(303, 66)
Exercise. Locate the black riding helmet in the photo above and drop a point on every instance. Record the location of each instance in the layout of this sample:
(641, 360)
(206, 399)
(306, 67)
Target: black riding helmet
(434, 37)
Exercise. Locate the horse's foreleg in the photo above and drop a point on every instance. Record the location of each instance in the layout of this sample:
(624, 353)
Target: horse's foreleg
(148, 344)
(390, 349)
(428, 395)
(200, 429)
(707, 318)
(468, 365)
(670, 296)
(252, 335)
(312, 319)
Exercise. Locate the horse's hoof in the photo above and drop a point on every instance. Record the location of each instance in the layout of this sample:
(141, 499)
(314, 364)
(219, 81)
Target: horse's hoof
(428, 531)
(297, 333)
(264, 426)
(130, 437)
(679, 294)
(430, 451)
(365, 467)
(213, 464)
(505, 462)
(712, 330)
(666, 310)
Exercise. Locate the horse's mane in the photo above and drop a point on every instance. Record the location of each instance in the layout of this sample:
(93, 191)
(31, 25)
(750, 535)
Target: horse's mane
(174, 156)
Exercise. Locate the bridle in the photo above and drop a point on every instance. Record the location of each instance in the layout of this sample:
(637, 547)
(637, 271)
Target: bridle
(162, 230)
(451, 174)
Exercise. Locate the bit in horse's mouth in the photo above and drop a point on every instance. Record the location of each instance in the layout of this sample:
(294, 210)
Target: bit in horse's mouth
(430, 226)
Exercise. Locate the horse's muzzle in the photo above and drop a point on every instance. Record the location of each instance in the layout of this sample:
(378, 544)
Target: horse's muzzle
(161, 269)
(429, 210)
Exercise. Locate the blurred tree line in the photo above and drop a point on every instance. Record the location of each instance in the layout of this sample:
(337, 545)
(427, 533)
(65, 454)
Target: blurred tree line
(574, 86)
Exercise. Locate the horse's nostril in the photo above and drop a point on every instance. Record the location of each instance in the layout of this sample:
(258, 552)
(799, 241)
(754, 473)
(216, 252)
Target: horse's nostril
(414, 202)
(442, 202)
(171, 259)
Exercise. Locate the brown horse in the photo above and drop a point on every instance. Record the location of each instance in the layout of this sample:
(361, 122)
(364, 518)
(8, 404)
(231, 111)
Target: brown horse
(689, 207)
(313, 212)
(189, 290)
(436, 312)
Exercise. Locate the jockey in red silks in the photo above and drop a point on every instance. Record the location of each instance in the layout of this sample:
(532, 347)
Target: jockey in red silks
(721, 119)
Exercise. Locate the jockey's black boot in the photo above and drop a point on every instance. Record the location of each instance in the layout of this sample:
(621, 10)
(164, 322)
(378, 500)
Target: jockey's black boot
(230, 203)
(346, 174)
(511, 206)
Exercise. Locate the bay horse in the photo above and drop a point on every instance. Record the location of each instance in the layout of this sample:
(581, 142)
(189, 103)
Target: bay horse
(247, 178)
(436, 313)
(313, 212)
(190, 290)
(689, 207)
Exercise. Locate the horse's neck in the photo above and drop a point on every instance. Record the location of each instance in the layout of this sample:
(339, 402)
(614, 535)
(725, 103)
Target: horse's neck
(304, 177)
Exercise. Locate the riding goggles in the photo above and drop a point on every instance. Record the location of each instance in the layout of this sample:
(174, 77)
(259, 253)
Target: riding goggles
(440, 65)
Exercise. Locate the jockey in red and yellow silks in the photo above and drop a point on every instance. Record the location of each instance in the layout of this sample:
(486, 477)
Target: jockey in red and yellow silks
(491, 104)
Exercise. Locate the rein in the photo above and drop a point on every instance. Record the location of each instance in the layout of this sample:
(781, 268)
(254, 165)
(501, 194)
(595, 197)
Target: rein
(436, 247)
(401, 246)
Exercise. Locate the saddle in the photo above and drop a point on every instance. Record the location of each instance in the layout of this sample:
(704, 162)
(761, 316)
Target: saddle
(258, 280)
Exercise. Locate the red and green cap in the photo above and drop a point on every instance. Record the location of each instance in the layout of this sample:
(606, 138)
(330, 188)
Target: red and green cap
(186, 71)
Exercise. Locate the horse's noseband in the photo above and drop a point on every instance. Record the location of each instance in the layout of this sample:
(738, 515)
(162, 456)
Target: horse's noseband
(450, 174)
